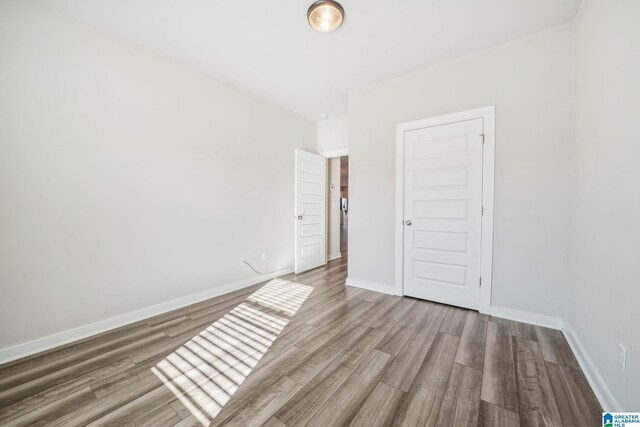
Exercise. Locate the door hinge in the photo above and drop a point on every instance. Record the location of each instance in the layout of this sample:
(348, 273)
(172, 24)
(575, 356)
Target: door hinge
(481, 210)
(482, 135)
(481, 281)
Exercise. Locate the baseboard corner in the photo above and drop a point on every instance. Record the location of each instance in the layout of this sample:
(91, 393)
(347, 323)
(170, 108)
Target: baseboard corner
(543, 320)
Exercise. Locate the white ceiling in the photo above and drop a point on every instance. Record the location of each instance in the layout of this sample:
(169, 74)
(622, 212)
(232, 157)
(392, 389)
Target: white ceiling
(267, 47)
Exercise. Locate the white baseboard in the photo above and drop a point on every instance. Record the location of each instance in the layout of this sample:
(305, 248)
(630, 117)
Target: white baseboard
(528, 317)
(599, 387)
(371, 286)
(55, 340)
(336, 255)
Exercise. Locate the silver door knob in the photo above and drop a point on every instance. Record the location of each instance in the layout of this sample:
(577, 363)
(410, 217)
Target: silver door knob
(408, 222)
(299, 217)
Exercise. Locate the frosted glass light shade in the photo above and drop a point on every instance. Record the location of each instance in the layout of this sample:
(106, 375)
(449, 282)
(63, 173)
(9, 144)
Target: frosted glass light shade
(325, 15)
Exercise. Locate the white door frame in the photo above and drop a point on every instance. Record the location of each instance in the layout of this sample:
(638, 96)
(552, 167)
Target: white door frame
(335, 153)
(487, 114)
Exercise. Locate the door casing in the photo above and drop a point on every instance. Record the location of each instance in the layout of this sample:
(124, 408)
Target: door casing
(487, 114)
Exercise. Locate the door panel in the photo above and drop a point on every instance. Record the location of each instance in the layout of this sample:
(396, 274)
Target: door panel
(443, 203)
(310, 230)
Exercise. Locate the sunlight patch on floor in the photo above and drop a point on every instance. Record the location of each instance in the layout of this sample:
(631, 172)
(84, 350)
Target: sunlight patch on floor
(205, 372)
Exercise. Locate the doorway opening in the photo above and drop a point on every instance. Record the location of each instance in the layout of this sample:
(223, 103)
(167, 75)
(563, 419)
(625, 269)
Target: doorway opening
(321, 209)
(338, 208)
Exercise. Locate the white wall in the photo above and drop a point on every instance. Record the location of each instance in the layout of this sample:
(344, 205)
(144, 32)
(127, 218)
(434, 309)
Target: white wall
(127, 180)
(333, 134)
(604, 286)
(333, 206)
(530, 83)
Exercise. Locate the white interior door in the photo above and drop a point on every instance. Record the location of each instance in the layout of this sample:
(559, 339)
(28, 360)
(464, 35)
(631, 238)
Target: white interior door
(311, 250)
(443, 213)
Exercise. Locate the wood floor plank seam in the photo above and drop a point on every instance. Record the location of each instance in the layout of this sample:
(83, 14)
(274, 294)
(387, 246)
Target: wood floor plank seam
(498, 364)
(501, 407)
(494, 416)
(450, 376)
(404, 368)
(323, 385)
(536, 400)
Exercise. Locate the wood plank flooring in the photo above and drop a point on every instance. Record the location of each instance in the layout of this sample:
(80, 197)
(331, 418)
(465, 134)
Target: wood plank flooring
(305, 350)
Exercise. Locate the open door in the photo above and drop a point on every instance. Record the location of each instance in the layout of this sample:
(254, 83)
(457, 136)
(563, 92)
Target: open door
(310, 213)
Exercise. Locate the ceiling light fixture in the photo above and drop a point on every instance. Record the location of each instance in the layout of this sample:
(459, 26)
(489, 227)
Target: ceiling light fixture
(325, 15)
